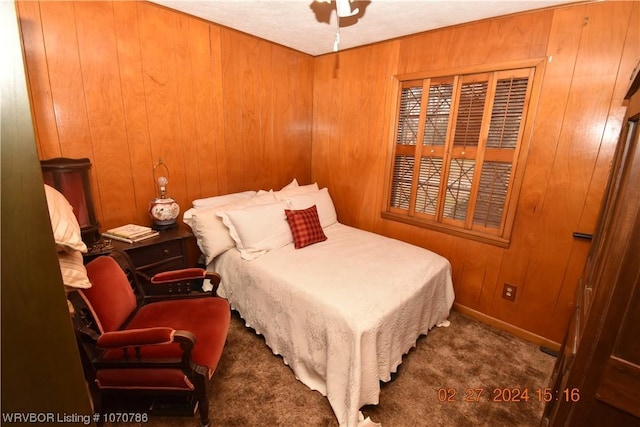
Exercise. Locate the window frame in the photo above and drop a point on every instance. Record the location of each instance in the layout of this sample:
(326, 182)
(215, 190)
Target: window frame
(502, 236)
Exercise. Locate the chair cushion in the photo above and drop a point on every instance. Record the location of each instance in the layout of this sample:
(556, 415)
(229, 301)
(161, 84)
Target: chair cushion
(138, 378)
(207, 318)
(110, 295)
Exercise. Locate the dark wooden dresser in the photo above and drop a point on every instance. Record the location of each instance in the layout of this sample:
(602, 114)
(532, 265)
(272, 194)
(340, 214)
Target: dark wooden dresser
(596, 380)
(171, 250)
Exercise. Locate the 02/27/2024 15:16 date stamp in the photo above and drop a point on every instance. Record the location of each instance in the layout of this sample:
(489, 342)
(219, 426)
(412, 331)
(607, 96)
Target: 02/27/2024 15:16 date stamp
(481, 394)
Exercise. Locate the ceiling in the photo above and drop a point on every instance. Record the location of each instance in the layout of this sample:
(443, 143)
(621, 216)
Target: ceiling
(310, 26)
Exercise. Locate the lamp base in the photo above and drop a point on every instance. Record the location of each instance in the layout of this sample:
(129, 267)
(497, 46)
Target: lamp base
(162, 227)
(163, 212)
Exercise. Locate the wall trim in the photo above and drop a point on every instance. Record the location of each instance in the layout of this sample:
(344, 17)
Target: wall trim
(507, 327)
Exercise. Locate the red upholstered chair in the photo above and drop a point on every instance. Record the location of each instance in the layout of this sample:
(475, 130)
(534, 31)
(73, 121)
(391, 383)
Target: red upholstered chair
(148, 349)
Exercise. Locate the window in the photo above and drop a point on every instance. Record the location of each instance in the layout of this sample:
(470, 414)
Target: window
(456, 146)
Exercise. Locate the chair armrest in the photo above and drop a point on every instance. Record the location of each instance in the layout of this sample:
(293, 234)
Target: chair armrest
(178, 282)
(179, 275)
(136, 337)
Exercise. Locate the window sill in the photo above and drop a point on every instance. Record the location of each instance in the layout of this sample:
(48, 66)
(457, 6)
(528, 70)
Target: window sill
(454, 231)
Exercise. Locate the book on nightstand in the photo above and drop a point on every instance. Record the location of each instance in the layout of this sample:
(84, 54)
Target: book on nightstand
(130, 233)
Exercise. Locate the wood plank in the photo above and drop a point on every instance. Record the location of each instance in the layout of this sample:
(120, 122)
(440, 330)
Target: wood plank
(627, 345)
(235, 71)
(46, 132)
(509, 38)
(247, 77)
(206, 79)
(292, 103)
(614, 122)
(566, 295)
(264, 162)
(217, 99)
(65, 76)
(331, 121)
(67, 91)
(587, 109)
(157, 28)
(187, 87)
(416, 55)
(134, 107)
(563, 45)
(375, 79)
(105, 115)
(323, 71)
(479, 271)
(347, 161)
(353, 159)
(254, 97)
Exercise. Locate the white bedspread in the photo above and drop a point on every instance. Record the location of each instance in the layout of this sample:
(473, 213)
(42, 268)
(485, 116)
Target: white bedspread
(343, 312)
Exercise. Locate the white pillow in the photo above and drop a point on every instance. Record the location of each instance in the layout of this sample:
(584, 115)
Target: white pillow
(74, 274)
(289, 190)
(210, 202)
(292, 191)
(66, 230)
(292, 184)
(258, 229)
(68, 238)
(211, 234)
(322, 200)
(188, 215)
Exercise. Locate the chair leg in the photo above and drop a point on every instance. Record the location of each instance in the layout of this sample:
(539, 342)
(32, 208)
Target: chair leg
(200, 384)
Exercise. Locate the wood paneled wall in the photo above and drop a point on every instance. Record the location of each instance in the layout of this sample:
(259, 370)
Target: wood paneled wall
(590, 50)
(127, 83)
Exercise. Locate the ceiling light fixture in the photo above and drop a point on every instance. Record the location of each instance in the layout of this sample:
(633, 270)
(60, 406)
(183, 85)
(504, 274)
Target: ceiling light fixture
(323, 9)
(343, 10)
(336, 39)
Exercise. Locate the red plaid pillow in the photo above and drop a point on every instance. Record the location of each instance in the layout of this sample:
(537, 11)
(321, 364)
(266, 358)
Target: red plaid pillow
(305, 226)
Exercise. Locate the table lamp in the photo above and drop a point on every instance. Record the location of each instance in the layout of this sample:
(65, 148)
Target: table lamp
(163, 210)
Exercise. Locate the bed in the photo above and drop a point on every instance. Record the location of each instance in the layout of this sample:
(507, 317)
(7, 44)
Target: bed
(342, 310)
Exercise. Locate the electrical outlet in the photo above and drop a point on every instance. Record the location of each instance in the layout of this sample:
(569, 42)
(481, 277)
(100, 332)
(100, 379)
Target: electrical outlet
(509, 292)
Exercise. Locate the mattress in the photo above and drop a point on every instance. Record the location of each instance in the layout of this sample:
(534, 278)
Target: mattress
(342, 312)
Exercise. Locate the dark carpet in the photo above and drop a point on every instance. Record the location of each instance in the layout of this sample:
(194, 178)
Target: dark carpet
(468, 374)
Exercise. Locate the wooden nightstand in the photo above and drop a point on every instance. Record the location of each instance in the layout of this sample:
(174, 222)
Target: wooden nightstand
(171, 250)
